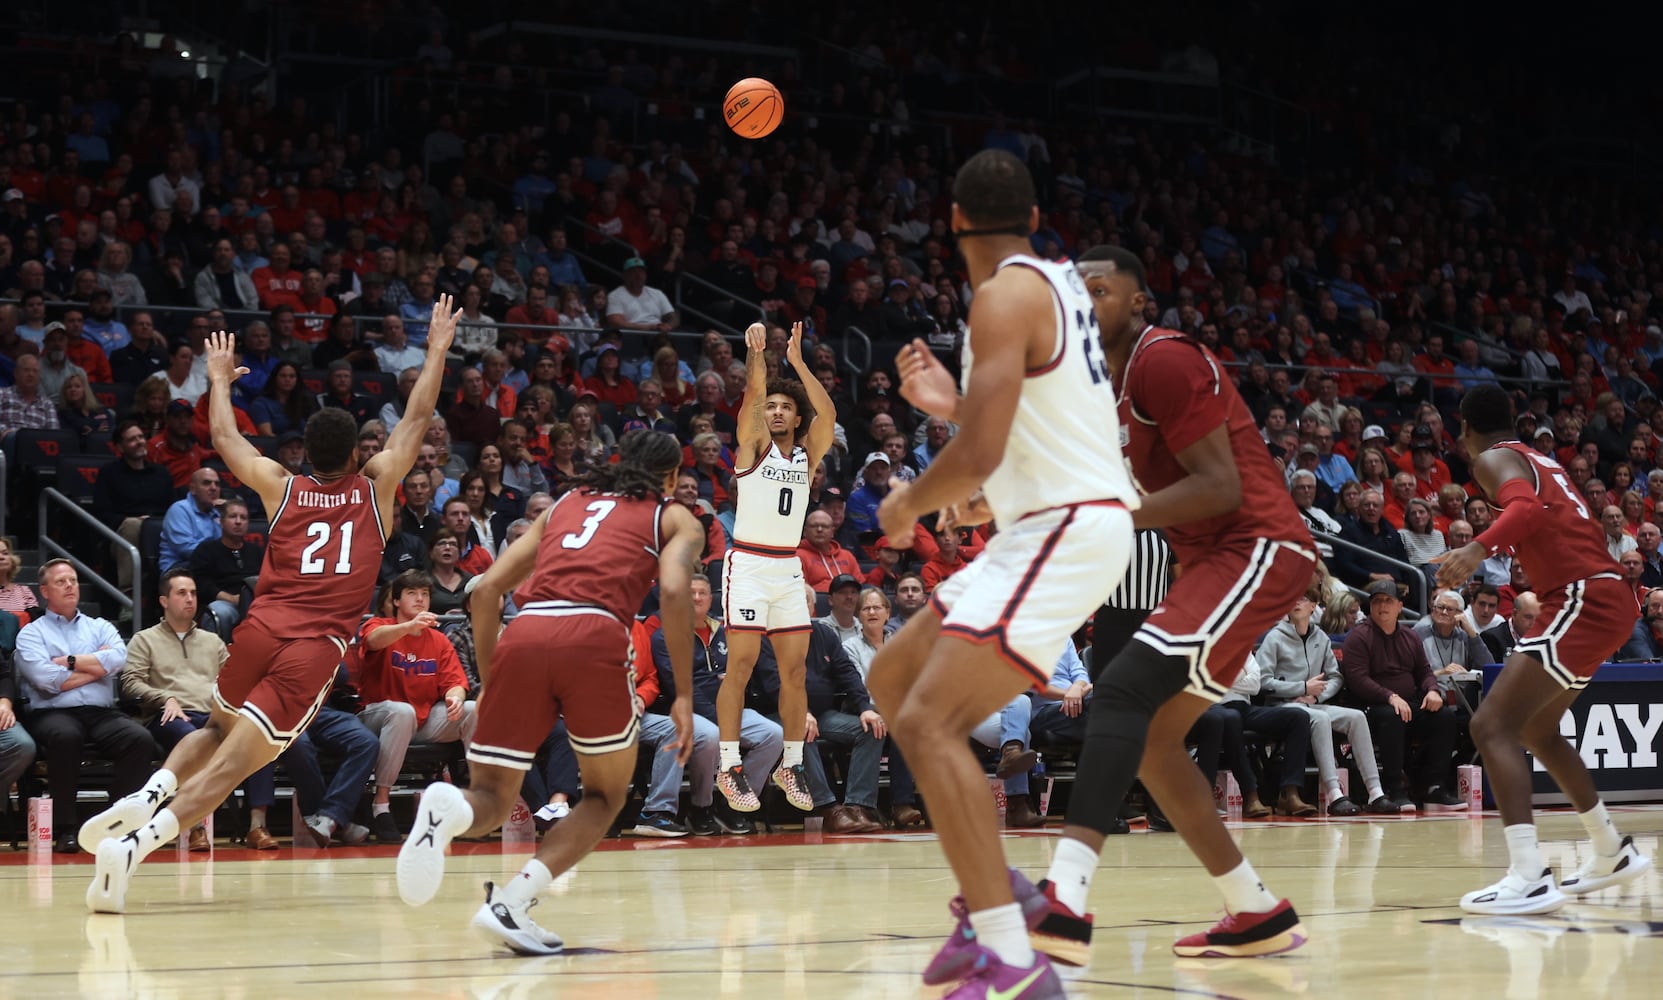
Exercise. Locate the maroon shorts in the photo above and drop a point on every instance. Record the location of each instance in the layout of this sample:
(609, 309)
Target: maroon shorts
(1221, 604)
(552, 662)
(1581, 626)
(277, 683)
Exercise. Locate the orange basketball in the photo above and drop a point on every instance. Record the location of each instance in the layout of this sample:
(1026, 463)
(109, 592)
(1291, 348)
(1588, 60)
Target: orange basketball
(753, 107)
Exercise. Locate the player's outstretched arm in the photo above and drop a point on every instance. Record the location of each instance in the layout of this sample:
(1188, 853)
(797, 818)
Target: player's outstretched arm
(820, 432)
(926, 383)
(752, 433)
(1003, 327)
(244, 460)
(509, 571)
(1213, 486)
(683, 541)
(1508, 478)
(392, 464)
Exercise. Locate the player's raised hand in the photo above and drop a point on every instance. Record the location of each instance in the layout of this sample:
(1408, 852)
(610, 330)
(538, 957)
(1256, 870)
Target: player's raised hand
(925, 381)
(895, 515)
(794, 347)
(222, 359)
(441, 329)
(756, 338)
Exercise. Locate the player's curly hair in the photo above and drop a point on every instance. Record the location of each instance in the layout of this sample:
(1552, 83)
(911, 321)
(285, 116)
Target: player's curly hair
(1487, 409)
(794, 389)
(331, 439)
(645, 458)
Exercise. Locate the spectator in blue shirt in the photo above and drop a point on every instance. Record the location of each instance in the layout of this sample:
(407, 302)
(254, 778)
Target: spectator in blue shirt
(418, 312)
(191, 521)
(862, 509)
(1470, 369)
(531, 189)
(68, 663)
(1331, 468)
(562, 263)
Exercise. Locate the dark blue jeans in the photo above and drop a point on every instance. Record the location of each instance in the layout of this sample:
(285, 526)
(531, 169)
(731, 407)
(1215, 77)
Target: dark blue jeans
(343, 735)
(261, 786)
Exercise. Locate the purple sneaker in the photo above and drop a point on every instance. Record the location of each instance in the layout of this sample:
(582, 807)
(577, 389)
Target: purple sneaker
(991, 978)
(957, 957)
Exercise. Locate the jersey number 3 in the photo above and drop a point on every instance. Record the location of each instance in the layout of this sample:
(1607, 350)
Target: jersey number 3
(313, 564)
(598, 512)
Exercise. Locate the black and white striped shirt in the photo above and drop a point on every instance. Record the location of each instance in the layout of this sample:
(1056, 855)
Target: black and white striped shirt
(1144, 587)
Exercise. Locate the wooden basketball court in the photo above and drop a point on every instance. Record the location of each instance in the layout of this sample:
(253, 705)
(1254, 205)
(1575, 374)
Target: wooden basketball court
(802, 915)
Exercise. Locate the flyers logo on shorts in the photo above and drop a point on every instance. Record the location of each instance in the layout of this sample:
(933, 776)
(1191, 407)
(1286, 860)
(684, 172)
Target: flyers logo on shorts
(748, 614)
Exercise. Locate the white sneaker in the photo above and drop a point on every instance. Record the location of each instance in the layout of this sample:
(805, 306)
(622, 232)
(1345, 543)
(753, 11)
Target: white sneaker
(1514, 896)
(442, 815)
(1599, 872)
(355, 833)
(554, 812)
(504, 923)
(321, 829)
(116, 861)
(124, 815)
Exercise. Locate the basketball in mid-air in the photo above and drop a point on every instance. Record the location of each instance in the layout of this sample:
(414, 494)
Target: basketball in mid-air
(753, 107)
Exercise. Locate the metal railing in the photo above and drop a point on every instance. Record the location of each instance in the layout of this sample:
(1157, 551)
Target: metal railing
(122, 547)
(854, 336)
(1417, 578)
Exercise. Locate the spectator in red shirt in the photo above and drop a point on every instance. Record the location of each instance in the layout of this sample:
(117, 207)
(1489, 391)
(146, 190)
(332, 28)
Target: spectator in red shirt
(1441, 368)
(316, 306)
(950, 557)
(608, 384)
(822, 558)
(414, 688)
(278, 283)
(175, 448)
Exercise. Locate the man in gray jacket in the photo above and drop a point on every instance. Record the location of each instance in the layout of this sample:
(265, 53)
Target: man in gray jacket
(1297, 664)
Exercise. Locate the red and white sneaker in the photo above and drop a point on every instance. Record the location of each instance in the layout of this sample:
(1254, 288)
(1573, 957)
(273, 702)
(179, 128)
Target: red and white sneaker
(1061, 933)
(1247, 935)
(734, 787)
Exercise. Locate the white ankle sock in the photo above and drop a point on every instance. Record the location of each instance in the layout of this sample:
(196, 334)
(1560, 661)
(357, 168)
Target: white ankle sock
(162, 786)
(1002, 931)
(729, 749)
(1376, 792)
(525, 886)
(1071, 870)
(793, 753)
(1242, 890)
(377, 808)
(161, 829)
(1607, 841)
(1523, 852)
(1332, 794)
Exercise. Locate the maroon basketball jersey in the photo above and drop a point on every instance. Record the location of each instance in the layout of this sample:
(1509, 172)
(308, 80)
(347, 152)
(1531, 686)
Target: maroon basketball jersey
(597, 549)
(323, 555)
(1574, 548)
(1172, 394)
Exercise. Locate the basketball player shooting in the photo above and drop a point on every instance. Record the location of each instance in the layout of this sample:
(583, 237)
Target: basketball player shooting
(1587, 613)
(785, 429)
(590, 562)
(1038, 437)
(322, 559)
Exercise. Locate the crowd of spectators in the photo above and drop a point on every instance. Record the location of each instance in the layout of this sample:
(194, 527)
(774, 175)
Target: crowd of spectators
(138, 212)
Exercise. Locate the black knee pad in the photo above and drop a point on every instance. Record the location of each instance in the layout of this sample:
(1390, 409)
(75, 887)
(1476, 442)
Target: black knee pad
(1139, 679)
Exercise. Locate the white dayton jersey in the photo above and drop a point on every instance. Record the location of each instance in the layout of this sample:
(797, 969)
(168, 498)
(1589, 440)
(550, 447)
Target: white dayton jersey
(1064, 444)
(773, 500)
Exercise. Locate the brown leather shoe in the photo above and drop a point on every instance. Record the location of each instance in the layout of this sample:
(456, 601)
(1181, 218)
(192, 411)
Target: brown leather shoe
(260, 839)
(199, 841)
(1252, 807)
(908, 816)
(1013, 760)
(848, 819)
(1019, 812)
(1290, 804)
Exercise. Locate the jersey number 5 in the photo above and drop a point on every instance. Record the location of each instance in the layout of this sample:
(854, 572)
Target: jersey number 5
(312, 564)
(1570, 492)
(598, 512)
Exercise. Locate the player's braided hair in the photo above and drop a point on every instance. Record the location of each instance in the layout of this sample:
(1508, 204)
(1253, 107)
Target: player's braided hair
(645, 458)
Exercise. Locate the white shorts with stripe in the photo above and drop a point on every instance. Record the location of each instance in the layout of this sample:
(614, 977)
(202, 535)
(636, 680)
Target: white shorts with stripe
(1036, 582)
(763, 593)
